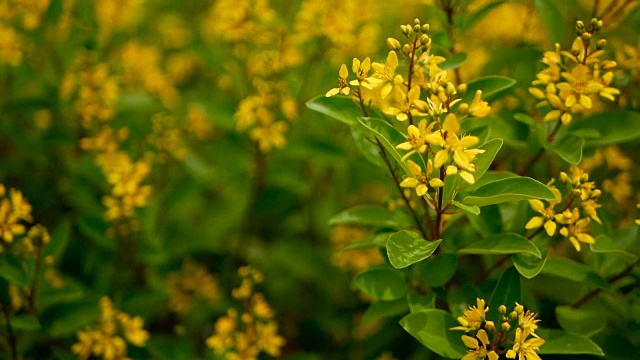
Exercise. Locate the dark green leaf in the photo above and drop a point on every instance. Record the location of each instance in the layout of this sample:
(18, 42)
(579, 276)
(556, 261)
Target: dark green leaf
(562, 342)
(490, 85)
(367, 144)
(572, 270)
(488, 222)
(529, 265)
(13, 271)
(614, 127)
(25, 322)
(431, 328)
(580, 321)
(372, 241)
(477, 16)
(405, 248)
(338, 107)
(454, 61)
(382, 309)
(604, 244)
(551, 18)
(419, 303)
(509, 189)
(507, 292)
(506, 243)
(381, 283)
(568, 148)
(59, 240)
(372, 215)
(437, 270)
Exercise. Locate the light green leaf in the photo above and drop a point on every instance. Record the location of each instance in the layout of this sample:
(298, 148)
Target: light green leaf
(372, 241)
(509, 189)
(490, 85)
(469, 209)
(437, 270)
(529, 265)
(25, 322)
(604, 244)
(614, 127)
(338, 107)
(505, 243)
(551, 18)
(389, 137)
(580, 321)
(382, 283)
(366, 144)
(372, 215)
(454, 61)
(431, 328)
(572, 270)
(419, 303)
(569, 148)
(382, 309)
(563, 342)
(406, 247)
(507, 292)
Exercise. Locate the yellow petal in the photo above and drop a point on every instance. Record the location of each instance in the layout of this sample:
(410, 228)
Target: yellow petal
(441, 158)
(421, 189)
(471, 343)
(468, 177)
(409, 182)
(550, 227)
(534, 223)
(343, 71)
(414, 168)
(537, 205)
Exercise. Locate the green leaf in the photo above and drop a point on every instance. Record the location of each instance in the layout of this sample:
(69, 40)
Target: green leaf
(366, 144)
(505, 243)
(372, 215)
(531, 122)
(529, 265)
(338, 107)
(406, 247)
(604, 244)
(614, 127)
(454, 61)
(572, 270)
(568, 148)
(551, 18)
(382, 309)
(563, 342)
(389, 137)
(372, 241)
(59, 240)
(437, 270)
(477, 16)
(507, 292)
(469, 209)
(488, 222)
(509, 189)
(381, 283)
(25, 322)
(580, 321)
(419, 303)
(490, 85)
(13, 271)
(431, 328)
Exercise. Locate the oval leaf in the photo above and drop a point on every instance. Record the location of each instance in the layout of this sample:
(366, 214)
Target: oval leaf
(568, 148)
(551, 18)
(382, 283)
(490, 85)
(405, 248)
(437, 270)
(581, 321)
(573, 270)
(614, 127)
(563, 342)
(528, 265)
(366, 144)
(371, 215)
(373, 241)
(506, 243)
(454, 61)
(341, 108)
(382, 309)
(509, 189)
(431, 328)
(507, 292)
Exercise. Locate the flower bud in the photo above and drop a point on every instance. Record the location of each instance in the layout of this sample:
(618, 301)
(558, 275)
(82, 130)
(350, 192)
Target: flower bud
(598, 26)
(417, 28)
(601, 44)
(406, 48)
(416, 21)
(502, 309)
(513, 315)
(463, 109)
(586, 37)
(393, 44)
(505, 326)
(424, 39)
(519, 308)
(450, 89)
(579, 25)
(425, 28)
(404, 30)
(489, 325)
(594, 22)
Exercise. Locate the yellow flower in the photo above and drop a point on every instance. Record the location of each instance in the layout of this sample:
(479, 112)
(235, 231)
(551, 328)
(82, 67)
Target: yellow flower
(419, 179)
(343, 86)
(548, 216)
(478, 107)
(478, 349)
(576, 229)
(473, 317)
(523, 348)
(416, 139)
(578, 87)
(361, 69)
(385, 77)
(9, 226)
(409, 105)
(268, 339)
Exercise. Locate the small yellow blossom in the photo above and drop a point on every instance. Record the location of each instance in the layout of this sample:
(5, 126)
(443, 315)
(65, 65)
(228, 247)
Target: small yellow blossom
(343, 86)
(478, 107)
(478, 349)
(525, 349)
(473, 317)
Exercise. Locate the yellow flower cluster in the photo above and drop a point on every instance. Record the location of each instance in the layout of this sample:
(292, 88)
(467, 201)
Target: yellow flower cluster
(15, 211)
(515, 337)
(244, 336)
(16, 14)
(353, 260)
(572, 210)
(167, 137)
(425, 98)
(571, 80)
(114, 15)
(109, 338)
(191, 284)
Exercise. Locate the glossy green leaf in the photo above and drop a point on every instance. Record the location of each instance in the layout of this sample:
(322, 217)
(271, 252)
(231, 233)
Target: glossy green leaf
(341, 108)
(488, 222)
(437, 270)
(366, 144)
(477, 16)
(471, 209)
(389, 137)
(509, 189)
(454, 61)
(568, 148)
(614, 127)
(419, 303)
(490, 85)
(551, 18)
(507, 292)
(563, 342)
(406, 247)
(382, 309)
(371, 215)
(505, 243)
(580, 321)
(605, 244)
(372, 241)
(25, 322)
(529, 265)
(431, 328)
(382, 283)
(572, 270)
